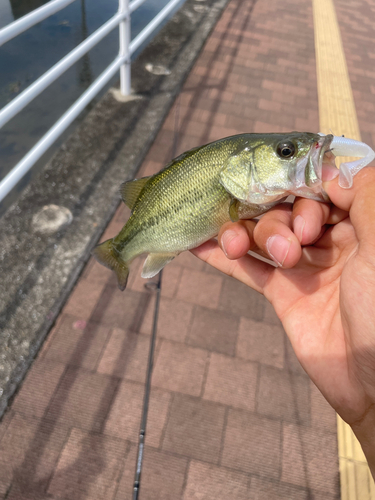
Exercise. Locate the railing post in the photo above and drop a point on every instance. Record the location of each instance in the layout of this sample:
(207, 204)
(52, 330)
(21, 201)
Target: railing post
(125, 77)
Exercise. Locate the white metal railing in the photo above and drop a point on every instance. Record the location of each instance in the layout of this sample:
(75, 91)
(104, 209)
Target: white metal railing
(122, 63)
(36, 16)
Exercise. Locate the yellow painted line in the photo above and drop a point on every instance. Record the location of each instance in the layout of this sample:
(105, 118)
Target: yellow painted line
(337, 115)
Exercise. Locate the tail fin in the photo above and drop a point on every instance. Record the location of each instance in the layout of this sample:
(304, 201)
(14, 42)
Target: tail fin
(106, 255)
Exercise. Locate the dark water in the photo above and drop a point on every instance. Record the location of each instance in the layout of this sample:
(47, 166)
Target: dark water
(28, 56)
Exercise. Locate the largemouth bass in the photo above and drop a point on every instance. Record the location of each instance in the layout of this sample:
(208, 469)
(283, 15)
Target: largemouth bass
(239, 177)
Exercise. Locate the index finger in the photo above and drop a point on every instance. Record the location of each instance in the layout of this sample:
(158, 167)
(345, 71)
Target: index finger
(251, 271)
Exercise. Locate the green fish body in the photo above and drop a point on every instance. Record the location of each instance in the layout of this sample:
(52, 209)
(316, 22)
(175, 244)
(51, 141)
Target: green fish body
(187, 202)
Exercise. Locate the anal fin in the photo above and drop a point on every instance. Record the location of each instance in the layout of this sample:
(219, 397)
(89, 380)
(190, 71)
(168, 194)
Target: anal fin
(155, 263)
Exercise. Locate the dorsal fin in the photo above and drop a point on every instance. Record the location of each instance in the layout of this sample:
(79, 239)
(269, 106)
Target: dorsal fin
(182, 156)
(187, 154)
(131, 190)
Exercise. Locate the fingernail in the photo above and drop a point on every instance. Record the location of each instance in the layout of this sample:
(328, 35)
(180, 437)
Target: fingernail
(298, 227)
(227, 237)
(278, 248)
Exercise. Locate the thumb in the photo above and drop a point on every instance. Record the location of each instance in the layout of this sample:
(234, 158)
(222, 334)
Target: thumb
(359, 201)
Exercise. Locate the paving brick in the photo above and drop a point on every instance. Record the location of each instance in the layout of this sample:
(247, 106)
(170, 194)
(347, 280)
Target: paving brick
(187, 142)
(231, 381)
(180, 368)
(309, 457)
(15, 494)
(164, 138)
(215, 483)
(213, 330)
(241, 300)
(126, 355)
(28, 454)
(135, 281)
(185, 97)
(89, 467)
(270, 315)
(173, 320)
(318, 495)
(216, 132)
(194, 128)
(199, 288)
(5, 421)
(252, 444)
(97, 274)
(323, 416)
(112, 230)
(150, 167)
(266, 489)
(258, 341)
(163, 475)
(160, 151)
(125, 416)
(171, 280)
(261, 127)
(71, 344)
(122, 214)
(121, 309)
(194, 428)
(82, 399)
(82, 301)
(283, 395)
(38, 388)
(304, 124)
(48, 339)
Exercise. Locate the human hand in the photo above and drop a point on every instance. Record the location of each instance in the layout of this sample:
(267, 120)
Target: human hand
(323, 290)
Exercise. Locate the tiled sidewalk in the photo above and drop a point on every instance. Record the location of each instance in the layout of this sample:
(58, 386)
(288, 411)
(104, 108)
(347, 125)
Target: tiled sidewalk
(232, 414)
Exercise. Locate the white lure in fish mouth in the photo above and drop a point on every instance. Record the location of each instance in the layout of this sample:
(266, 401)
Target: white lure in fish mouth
(341, 146)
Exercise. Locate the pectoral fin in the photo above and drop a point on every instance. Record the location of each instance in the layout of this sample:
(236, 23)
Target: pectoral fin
(131, 190)
(230, 183)
(155, 263)
(233, 213)
(251, 210)
(236, 174)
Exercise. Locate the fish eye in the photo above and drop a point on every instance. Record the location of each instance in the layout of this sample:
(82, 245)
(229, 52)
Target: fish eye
(285, 149)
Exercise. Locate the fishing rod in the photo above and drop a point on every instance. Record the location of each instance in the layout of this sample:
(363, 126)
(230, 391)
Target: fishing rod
(146, 399)
(150, 363)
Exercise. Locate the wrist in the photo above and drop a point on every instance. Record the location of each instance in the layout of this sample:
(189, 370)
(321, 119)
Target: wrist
(364, 430)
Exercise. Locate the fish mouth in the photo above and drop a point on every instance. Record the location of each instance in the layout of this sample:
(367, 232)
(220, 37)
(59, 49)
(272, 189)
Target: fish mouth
(311, 170)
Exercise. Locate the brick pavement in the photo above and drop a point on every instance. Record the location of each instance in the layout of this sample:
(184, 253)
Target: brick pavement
(232, 414)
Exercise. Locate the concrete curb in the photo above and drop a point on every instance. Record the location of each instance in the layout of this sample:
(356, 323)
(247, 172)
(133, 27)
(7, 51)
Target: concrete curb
(40, 268)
